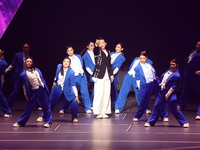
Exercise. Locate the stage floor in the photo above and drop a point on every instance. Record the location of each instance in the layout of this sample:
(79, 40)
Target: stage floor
(116, 133)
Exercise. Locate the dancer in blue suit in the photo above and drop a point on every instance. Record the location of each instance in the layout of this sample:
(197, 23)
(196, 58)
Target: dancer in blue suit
(18, 64)
(80, 79)
(168, 83)
(89, 62)
(145, 81)
(191, 79)
(34, 88)
(117, 59)
(127, 83)
(64, 87)
(3, 101)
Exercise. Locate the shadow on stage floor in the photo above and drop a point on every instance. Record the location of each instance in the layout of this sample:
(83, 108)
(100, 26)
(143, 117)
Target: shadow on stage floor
(116, 133)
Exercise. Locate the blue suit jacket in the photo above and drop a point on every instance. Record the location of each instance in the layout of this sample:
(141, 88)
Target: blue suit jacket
(139, 75)
(68, 83)
(88, 63)
(192, 66)
(27, 83)
(18, 63)
(117, 64)
(172, 81)
(3, 65)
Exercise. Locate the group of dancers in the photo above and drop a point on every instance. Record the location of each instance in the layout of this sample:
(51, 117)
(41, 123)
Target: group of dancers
(102, 66)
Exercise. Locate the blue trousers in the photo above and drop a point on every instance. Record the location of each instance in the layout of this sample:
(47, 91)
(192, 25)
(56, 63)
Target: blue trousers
(159, 107)
(16, 88)
(145, 94)
(190, 85)
(198, 112)
(42, 94)
(114, 92)
(4, 103)
(56, 94)
(81, 83)
(124, 90)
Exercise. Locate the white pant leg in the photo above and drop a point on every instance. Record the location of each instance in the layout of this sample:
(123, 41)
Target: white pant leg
(102, 101)
(106, 108)
(98, 94)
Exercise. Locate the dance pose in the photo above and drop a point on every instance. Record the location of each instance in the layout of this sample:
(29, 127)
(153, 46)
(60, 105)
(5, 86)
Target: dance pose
(64, 87)
(89, 62)
(34, 88)
(102, 77)
(191, 79)
(80, 79)
(3, 101)
(168, 83)
(145, 81)
(18, 64)
(127, 83)
(117, 59)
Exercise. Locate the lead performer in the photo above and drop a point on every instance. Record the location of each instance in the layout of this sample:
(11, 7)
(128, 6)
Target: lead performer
(102, 77)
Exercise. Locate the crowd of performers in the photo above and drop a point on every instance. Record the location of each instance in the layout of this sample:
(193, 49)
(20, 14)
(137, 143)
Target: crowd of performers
(102, 66)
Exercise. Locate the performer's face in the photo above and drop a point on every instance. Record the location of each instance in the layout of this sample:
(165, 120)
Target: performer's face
(198, 46)
(173, 66)
(26, 48)
(102, 44)
(66, 63)
(70, 51)
(90, 47)
(1, 52)
(143, 59)
(118, 48)
(29, 62)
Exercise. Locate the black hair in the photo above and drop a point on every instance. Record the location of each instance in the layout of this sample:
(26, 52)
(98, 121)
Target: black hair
(85, 48)
(121, 44)
(68, 46)
(144, 53)
(101, 38)
(175, 60)
(61, 69)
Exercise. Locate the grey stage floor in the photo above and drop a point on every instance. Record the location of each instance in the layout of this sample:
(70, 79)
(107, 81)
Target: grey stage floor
(116, 133)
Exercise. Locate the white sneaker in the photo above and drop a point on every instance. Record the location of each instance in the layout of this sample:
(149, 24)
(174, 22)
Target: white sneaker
(46, 125)
(75, 120)
(135, 119)
(40, 119)
(165, 119)
(99, 116)
(7, 115)
(16, 125)
(197, 118)
(117, 111)
(89, 112)
(61, 112)
(105, 116)
(148, 111)
(147, 124)
(186, 125)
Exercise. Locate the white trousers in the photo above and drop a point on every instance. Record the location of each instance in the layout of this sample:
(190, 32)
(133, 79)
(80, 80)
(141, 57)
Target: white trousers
(102, 100)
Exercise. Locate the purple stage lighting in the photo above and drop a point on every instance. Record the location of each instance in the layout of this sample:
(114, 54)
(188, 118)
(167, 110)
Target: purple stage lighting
(8, 8)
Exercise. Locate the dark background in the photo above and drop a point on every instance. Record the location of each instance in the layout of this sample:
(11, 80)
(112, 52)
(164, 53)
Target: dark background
(165, 29)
